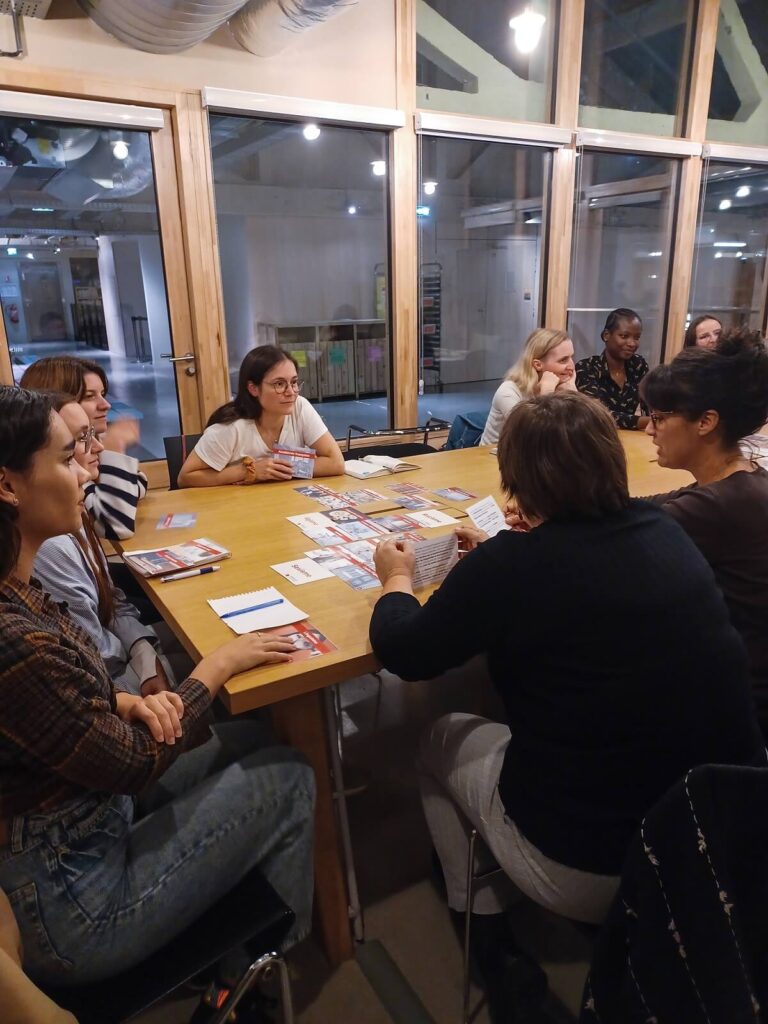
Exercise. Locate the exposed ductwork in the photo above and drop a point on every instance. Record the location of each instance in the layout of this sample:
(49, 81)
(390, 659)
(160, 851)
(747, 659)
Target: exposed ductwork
(264, 27)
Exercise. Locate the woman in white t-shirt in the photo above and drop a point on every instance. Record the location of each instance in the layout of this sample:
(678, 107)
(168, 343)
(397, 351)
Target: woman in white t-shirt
(239, 441)
(545, 365)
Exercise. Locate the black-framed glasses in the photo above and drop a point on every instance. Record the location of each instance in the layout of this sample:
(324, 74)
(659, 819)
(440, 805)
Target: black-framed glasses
(87, 439)
(281, 386)
(658, 418)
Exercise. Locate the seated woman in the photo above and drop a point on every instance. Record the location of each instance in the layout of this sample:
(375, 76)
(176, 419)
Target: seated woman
(613, 378)
(703, 332)
(612, 649)
(112, 499)
(73, 568)
(702, 405)
(117, 829)
(238, 444)
(545, 365)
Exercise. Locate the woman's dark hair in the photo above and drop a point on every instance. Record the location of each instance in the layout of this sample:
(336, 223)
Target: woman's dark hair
(622, 313)
(560, 458)
(90, 544)
(257, 363)
(690, 334)
(732, 379)
(25, 425)
(65, 374)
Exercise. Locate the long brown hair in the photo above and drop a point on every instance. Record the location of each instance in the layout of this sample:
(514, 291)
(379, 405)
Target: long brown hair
(63, 374)
(254, 367)
(88, 542)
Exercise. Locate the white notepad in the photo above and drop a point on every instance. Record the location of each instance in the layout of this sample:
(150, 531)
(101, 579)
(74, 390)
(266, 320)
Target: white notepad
(258, 609)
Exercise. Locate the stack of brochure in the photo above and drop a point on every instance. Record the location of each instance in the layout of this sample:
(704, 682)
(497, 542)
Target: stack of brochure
(178, 557)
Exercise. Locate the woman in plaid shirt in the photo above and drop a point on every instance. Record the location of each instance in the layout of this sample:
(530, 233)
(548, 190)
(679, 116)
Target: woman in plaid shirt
(110, 842)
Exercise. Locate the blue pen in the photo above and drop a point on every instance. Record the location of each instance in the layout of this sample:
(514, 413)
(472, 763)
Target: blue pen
(253, 608)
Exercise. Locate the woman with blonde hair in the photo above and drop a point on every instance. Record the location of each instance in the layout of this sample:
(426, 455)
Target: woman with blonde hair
(545, 366)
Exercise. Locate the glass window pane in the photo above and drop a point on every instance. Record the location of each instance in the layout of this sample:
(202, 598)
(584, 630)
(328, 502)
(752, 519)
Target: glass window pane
(481, 210)
(738, 102)
(634, 65)
(303, 239)
(81, 268)
(622, 237)
(731, 241)
(471, 60)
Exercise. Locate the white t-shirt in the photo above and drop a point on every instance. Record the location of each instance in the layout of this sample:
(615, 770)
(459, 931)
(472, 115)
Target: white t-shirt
(224, 444)
(506, 398)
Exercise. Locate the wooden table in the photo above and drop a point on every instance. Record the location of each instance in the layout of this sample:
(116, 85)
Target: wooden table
(251, 522)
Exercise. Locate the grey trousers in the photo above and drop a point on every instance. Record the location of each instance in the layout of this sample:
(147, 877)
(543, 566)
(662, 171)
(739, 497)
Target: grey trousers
(459, 768)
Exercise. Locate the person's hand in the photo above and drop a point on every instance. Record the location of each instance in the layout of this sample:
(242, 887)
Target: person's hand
(469, 538)
(265, 469)
(120, 435)
(394, 557)
(514, 520)
(548, 383)
(158, 683)
(160, 712)
(253, 649)
(568, 384)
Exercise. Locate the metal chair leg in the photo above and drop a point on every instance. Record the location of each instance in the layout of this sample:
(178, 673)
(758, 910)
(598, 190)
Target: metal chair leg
(332, 702)
(259, 969)
(468, 923)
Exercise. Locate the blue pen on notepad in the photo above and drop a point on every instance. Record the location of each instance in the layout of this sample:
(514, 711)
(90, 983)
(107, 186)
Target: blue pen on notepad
(253, 608)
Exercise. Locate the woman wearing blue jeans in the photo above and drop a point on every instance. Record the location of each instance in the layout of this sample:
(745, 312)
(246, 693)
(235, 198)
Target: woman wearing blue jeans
(110, 842)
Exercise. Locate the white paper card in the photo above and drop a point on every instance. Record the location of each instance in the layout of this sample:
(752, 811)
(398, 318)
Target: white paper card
(487, 516)
(258, 609)
(433, 517)
(434, 559)
(302, 570)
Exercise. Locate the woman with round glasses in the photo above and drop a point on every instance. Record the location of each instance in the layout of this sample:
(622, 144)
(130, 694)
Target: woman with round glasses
(72, 568)
(238, 446)
(703, 404)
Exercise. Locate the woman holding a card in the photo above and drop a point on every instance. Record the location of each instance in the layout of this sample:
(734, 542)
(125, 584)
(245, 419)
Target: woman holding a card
(545, 365)
(121, 817)
(267, 433)
(613, 652)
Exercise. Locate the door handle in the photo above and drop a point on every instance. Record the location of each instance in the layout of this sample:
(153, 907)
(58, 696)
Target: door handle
(188, 357)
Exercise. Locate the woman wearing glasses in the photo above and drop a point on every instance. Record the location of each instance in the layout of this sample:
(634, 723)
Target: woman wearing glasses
(238, 446)
(72, 568)
(703, 404)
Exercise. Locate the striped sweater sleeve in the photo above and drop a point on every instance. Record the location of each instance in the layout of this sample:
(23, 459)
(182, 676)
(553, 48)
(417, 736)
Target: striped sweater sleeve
(112, 500)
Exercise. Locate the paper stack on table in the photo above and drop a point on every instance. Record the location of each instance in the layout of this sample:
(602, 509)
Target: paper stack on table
(258, 609)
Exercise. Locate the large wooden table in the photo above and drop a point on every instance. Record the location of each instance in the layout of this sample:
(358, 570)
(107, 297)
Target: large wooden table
(251, 522)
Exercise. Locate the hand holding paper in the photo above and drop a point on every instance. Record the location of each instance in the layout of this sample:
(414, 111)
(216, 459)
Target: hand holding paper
(394, 557)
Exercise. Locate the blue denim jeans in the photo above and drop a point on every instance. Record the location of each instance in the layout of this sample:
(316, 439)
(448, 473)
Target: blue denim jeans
(102, 882)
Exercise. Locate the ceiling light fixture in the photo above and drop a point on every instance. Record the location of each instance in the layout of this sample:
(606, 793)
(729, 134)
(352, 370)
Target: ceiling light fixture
(725, 204)
(729, 245)
(430, 188)
(379, 168)
(352, 209)
(527, 27)
(11, 250)
(422, 211)
(743, 191)
(311, 132)
(120, 149)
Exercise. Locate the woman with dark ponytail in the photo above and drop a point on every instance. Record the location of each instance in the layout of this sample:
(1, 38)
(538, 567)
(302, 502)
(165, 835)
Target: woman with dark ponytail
(613, 377)
(703, 405)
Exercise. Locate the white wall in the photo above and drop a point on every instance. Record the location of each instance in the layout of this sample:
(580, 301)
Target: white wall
(349, 59)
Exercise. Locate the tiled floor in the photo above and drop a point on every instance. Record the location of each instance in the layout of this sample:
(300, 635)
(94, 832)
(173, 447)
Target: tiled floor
(402, 907)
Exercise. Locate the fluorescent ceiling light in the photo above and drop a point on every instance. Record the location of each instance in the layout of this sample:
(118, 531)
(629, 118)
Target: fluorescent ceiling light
(422, 211)
(11, 250)
(725, 204)
(743, 191)
(42, 209)
(527, 27)
(352, 209)
(30, 255)
(311, 132)
(729, 245)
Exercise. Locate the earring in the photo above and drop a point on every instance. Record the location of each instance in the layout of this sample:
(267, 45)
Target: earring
(15, 501)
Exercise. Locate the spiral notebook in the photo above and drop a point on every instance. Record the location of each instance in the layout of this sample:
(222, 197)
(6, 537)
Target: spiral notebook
(258, 609)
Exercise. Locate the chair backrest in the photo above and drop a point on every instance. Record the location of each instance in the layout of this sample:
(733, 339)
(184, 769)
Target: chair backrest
(251, 915)
(388, 439)
(466, 430)
(395, 451)
(177, 448)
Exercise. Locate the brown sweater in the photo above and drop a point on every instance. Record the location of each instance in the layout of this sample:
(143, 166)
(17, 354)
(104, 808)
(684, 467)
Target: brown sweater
(728, 522)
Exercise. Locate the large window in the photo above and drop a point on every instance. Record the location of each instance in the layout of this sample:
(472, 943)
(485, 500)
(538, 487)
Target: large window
(492, 58)
(738, 104)
(635, 65)
(81, 269)
(621, 249)
(301, 211)
(729, 277)
(482, 215)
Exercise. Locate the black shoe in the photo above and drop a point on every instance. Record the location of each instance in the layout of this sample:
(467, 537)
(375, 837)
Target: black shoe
(514, 984)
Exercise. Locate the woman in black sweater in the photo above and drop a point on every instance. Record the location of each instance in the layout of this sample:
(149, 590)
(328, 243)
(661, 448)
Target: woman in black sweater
(612, 650)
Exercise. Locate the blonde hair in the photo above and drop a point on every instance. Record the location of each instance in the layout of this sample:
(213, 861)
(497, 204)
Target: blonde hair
(538, 344)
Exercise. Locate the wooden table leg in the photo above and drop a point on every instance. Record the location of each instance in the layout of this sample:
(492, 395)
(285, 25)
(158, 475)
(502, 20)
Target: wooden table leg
(300, 722)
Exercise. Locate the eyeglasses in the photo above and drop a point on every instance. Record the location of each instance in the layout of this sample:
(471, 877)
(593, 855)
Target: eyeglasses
(87, 439)
(657, 418)
(281, 386)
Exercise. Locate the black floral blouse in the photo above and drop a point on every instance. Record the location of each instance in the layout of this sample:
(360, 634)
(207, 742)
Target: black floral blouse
(593, 377)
